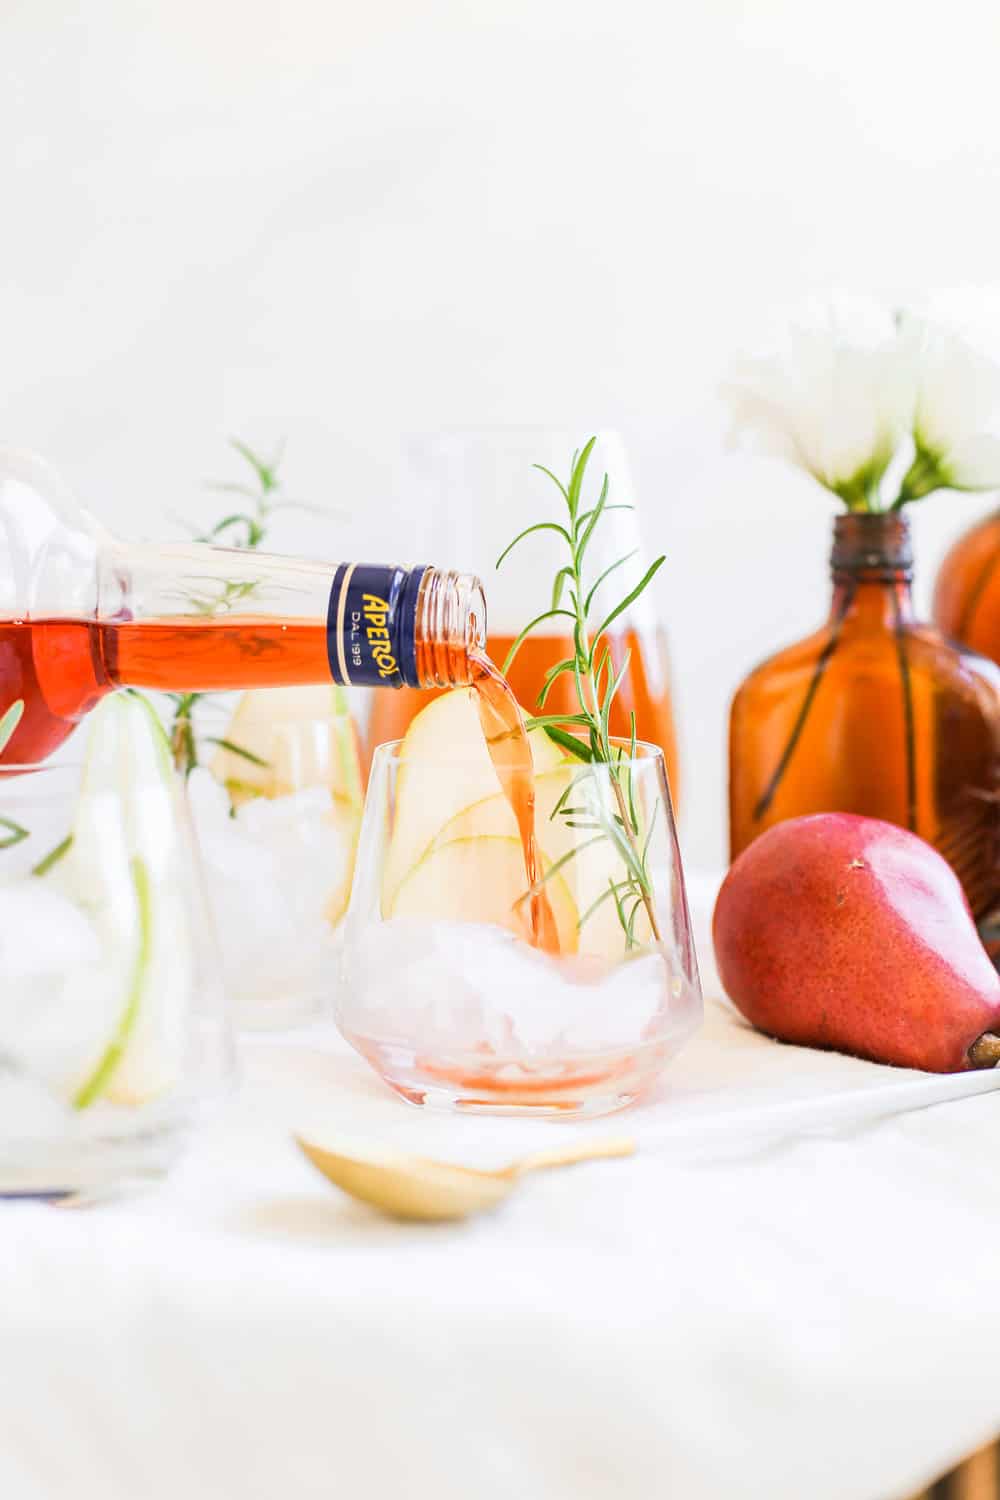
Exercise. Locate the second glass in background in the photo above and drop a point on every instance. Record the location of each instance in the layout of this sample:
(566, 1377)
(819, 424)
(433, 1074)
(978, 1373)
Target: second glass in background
(276, 796)
(479, 488)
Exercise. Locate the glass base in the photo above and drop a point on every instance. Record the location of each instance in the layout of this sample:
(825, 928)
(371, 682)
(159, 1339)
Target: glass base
(578, 1087)
(49, 1170)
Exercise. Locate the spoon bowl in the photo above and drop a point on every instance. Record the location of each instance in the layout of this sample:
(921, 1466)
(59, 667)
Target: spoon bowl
(415, 1187)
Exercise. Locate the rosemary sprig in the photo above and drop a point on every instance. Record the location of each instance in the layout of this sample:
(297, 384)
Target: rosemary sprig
(11, 833)
(245, 530)
(585, 734)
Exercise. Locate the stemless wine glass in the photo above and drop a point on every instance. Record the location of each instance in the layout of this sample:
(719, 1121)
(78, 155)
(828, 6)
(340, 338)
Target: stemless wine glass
(112, 1022)
(444, 991)
(276, 800)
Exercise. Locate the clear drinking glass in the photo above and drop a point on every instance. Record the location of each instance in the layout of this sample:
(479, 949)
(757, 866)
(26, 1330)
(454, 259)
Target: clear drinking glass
(112, 1021)
(276, 800)
(443, 992)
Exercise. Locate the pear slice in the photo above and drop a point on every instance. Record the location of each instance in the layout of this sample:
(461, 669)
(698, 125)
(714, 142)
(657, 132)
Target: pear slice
(124, 871)
(590, 862)
(493, 816)
(293, 738)
(445, 767)
(345, 819)
(481, 880)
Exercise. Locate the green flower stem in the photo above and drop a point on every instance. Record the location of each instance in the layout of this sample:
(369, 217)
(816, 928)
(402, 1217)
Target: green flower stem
(924, 475)
(861, 491)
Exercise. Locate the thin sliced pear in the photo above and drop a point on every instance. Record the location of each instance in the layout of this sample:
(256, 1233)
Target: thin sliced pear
(123, 866)
(481, 880)
(590, 862)
(445, 767)
(345, 818)
(294, 738)
(493, 817)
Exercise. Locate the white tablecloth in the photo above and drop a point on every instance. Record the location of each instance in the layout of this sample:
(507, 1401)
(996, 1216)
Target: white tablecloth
(735, 1312)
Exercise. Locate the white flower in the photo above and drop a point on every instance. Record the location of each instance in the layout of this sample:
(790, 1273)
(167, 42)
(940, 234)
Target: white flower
(835, 397)
(956, 347)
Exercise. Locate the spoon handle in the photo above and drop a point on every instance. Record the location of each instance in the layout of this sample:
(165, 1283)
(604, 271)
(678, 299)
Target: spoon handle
(565, 1156)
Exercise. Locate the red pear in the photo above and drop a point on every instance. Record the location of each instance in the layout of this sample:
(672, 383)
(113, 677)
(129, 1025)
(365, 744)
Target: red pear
(846, 932)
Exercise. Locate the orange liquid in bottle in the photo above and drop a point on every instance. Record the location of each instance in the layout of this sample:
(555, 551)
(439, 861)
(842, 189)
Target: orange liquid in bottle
(60, 669)
(644, 691)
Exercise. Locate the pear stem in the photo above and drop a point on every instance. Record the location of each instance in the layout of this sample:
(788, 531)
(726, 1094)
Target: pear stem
(985, 1051)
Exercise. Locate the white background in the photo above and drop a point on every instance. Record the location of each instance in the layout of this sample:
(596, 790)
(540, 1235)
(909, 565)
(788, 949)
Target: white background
(344, 222)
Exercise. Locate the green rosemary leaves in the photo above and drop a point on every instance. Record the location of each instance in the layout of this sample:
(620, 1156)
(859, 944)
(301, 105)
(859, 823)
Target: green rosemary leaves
(600, 798)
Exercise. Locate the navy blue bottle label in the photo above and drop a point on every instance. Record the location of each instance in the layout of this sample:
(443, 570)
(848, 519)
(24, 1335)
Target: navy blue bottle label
(371, 625)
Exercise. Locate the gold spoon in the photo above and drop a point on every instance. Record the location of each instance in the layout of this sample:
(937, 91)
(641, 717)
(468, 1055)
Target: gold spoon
(413, 1187)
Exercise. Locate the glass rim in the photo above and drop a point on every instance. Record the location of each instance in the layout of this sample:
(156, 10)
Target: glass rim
(647, 754)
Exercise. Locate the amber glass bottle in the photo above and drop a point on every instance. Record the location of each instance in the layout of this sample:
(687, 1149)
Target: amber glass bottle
(967, 592)
(874, 714)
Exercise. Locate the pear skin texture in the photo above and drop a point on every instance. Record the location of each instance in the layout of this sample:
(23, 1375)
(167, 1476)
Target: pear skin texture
(848, 933)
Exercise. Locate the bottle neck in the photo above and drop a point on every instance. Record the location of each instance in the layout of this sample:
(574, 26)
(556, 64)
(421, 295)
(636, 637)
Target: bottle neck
(450, 626)
(871, 563)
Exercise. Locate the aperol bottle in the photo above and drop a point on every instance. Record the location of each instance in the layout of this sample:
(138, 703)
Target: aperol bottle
(480, 489)
(967, 592)
(82, 613)
(875, 714)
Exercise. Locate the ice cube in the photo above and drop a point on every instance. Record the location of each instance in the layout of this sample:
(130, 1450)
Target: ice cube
(42, 931)
(451, 985)
(58, 1001)
(207, 799)
(28, 1111)
(270, 871)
